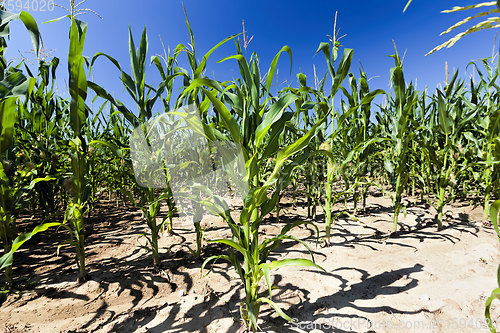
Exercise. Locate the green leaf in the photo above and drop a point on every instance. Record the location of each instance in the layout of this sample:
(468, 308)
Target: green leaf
(134, 61)
(274, 63)
(276, 308)
(126, 78)
(494, 215)
(231, 243)
(293, 262)
(29, 23)
(143, 50)
(407, 5)
(14, 85)
(77, 78)
(213, 258)
(7, 258)
(114, 148)
(398, 81)
(8, 116)
(38, 180)
(275, 113)
(267, 275)
(495, 294)
(342, 70)
(445, 122)
(32, 27)
(57, 19)
(101, 92)
(277, 129)
(201, 67)
(286, 153)
(325, 48)
(227, 119)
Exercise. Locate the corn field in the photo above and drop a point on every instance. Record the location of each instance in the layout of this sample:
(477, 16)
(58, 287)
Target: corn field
(333, 142)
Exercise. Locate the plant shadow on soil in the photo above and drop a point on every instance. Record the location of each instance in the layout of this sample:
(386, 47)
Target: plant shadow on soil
(369, 288)
(175, 266)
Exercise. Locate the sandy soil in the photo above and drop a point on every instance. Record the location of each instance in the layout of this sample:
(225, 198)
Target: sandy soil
(422, 280)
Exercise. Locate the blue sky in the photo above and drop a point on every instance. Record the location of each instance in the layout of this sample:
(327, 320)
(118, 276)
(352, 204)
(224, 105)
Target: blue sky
(370, 26)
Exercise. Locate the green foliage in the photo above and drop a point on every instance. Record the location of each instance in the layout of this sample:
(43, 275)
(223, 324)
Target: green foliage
(61, 156)
(77, 205)
(260, 114)
(495, 294)
(13, 189)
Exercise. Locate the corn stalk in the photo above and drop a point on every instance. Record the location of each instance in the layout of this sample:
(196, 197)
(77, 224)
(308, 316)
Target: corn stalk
(263, 120)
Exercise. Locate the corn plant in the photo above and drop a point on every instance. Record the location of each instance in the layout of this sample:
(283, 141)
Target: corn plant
(449, 119)
(263, 120)
(13, 187)
(145, 98)
(495, 294)
(397, 127)
(167, 74)
(196, 97)
(79, 190)
(140, 92)
(488, 131)
(356, 138)
(347, 146)
(75, 211)
(312, 111)
(337, 77)
(77, 185)
(41, 136)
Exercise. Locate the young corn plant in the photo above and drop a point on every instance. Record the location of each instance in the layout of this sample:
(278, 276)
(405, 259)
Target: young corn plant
(13, 183)
(145, 98)
(312, 111)
(355, 138)
(347, 146)
(41, 136)
(196, 97)
(9, 189)
(337, 75)
(495, 294)
(263, 119)
(488, 131)
(79, 190)
(77, 185)
(19, 192)
(400, 134)
(450, 118)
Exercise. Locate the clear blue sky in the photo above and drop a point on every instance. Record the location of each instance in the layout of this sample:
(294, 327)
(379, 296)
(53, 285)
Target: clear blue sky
(371, 27)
